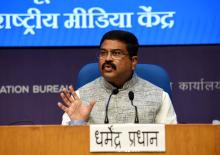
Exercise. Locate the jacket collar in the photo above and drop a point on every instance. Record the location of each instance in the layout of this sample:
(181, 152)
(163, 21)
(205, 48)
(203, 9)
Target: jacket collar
(130, 83)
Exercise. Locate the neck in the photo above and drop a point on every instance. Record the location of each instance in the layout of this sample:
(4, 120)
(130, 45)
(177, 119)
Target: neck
(119, 84)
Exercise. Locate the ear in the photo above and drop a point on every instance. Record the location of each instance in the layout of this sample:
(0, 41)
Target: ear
(134, 61)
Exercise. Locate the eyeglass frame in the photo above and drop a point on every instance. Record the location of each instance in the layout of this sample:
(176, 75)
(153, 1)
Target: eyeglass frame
(112, 52)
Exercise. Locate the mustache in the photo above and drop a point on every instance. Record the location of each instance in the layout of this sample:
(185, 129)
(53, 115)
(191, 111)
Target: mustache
(110, 63)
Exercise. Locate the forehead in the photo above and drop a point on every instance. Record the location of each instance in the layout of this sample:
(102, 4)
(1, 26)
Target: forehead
(113, 44)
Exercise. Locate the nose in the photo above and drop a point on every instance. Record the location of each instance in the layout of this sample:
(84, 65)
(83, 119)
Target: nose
(109, 56)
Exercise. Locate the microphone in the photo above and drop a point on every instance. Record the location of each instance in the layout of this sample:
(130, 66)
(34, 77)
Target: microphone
(114, 92)
(131, 97)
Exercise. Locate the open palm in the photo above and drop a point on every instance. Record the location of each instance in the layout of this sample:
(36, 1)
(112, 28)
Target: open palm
(73, 106)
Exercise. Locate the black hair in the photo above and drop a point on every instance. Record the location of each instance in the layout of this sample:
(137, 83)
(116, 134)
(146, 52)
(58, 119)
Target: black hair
(124, 36)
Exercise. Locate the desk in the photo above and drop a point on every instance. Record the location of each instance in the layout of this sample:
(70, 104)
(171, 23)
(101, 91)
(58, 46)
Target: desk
(187, 139)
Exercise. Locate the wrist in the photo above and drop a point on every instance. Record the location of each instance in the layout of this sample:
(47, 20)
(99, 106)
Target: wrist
(77, 122)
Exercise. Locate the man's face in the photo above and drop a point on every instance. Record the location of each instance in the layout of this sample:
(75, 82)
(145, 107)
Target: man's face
(114, 62)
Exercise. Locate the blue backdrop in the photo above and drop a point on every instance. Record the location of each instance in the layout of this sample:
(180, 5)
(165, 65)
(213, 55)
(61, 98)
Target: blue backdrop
(82, 23)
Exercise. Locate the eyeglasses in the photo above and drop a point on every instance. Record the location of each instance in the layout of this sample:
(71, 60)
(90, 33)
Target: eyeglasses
(115, 54)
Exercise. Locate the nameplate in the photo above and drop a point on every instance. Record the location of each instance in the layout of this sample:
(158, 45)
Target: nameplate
(127, 138)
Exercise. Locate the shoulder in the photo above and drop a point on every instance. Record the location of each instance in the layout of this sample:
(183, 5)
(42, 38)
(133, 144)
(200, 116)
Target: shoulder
(91, 85)
(144, 84)
(149, 91)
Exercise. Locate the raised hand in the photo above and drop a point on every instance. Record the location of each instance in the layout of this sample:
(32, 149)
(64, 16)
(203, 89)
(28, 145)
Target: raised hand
(73, 106)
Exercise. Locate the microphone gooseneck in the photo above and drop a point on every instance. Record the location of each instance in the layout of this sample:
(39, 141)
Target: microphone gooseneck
(131, 98)
(114, 92)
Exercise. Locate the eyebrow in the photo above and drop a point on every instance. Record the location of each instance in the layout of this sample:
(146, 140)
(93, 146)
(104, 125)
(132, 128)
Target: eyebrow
(111, 49)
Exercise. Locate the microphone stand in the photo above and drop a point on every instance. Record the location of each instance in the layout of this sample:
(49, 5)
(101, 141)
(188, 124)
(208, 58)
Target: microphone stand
(131, 97)
(114, 92)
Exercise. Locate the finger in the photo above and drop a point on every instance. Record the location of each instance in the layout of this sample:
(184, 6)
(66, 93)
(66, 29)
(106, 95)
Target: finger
(63, 107)
(71, 94)
(67, 94)
(65, 100)
(74, 93)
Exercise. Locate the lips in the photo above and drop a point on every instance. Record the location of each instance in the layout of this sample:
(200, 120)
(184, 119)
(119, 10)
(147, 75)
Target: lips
(108, 68)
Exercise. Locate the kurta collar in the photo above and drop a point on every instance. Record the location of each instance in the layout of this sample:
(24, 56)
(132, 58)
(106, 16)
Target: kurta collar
(109, 87)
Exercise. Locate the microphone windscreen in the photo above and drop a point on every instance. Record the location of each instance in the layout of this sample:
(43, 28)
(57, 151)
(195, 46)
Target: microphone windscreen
(115, 91)
(131, 95)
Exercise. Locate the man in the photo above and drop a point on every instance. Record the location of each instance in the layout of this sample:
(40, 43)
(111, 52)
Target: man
(106, 99)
